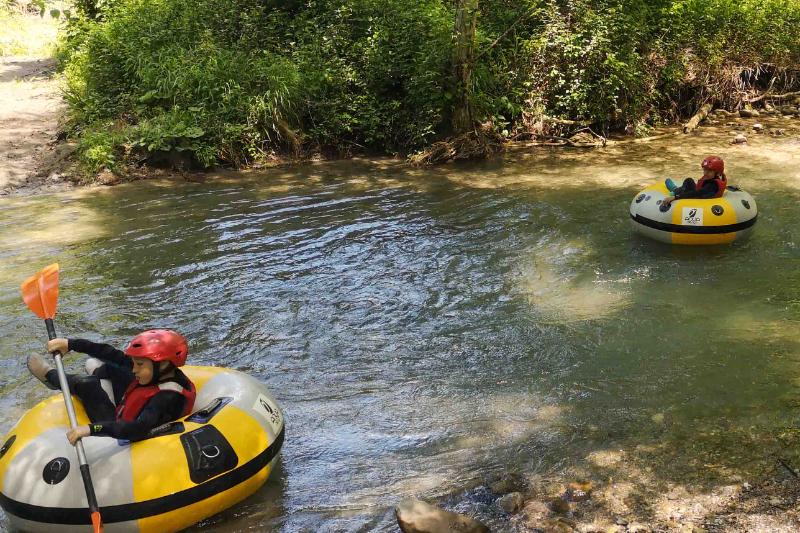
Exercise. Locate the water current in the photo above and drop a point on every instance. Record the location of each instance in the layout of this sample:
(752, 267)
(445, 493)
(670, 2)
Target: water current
(425, 330)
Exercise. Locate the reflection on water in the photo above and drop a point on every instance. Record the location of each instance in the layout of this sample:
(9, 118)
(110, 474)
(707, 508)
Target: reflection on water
(557, 284)
(424, 329)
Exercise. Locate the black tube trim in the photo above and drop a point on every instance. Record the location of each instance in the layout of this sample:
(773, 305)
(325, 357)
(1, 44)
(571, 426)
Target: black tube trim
(135, 511)
(702, 230)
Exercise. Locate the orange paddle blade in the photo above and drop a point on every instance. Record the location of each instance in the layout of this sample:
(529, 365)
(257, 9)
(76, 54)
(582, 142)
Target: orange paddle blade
(97, 522)
(40, 291)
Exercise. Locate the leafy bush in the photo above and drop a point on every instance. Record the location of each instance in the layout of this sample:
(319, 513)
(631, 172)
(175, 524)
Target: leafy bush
(257, 78)
(232, 80)
(98, 148)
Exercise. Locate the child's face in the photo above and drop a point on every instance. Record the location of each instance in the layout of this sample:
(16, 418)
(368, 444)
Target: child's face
(143, 370)
(708, 173)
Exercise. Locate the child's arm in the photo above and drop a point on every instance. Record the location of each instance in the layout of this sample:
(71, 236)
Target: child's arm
(105, 352)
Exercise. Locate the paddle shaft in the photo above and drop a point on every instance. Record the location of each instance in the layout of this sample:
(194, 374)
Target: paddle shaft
(73, 421)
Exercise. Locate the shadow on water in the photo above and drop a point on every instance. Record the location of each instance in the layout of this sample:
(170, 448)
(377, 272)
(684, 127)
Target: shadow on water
(428, 329)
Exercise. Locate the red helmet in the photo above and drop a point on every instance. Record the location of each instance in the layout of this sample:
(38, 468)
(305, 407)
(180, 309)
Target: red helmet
(159, 345)
(714, 163)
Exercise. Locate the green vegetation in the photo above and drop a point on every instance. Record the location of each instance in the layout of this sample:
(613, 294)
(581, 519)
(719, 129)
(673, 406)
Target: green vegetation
(231, 81)
(24, 33)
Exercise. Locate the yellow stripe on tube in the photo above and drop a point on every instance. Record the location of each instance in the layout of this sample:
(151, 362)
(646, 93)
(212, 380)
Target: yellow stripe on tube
(703, 210)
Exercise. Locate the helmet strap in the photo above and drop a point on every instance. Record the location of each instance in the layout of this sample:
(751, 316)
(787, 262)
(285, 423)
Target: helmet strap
(156, 372)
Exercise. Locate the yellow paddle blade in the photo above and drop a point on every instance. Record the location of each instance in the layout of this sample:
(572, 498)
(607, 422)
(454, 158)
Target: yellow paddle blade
(40, 291)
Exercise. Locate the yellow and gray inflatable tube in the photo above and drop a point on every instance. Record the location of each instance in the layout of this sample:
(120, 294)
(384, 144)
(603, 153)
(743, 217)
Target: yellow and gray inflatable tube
(693, 220)
(189, 470)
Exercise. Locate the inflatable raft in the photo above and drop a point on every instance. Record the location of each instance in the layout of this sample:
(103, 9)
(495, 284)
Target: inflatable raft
(693, 221)
(189, 470)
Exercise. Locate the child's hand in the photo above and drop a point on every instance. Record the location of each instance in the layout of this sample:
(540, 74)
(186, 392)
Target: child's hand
(77, 433)
(58, 345)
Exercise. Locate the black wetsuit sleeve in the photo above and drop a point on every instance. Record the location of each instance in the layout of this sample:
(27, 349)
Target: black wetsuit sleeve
(709, 190)
(104, 352)
(164, 407)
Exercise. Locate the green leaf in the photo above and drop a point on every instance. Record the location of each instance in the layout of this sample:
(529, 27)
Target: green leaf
(193, 132)
(148, 96)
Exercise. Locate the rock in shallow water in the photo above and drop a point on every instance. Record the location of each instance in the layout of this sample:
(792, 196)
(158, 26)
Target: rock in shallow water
(507, 483)
(512, 502)
(416, 516)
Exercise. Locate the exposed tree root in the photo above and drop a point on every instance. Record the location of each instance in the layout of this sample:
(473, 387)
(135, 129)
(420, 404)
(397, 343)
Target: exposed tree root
(774, 97)
(479, 143)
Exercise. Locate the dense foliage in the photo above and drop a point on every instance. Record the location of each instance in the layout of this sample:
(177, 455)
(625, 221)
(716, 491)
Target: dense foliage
(231, 80)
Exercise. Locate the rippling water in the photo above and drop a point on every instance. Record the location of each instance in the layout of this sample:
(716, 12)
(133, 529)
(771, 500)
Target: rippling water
(424, 330)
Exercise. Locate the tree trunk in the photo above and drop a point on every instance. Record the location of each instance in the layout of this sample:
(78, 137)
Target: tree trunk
(463, 58)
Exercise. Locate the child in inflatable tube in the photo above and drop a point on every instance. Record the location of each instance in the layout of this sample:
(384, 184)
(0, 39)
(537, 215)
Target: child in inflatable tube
(126, 394)
(711, 185)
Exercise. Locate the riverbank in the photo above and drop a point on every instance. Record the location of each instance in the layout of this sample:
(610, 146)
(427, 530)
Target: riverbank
(621, 491)
(33, 159)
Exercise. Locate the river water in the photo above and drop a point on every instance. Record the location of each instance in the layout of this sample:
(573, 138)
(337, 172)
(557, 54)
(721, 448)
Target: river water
(427, 329)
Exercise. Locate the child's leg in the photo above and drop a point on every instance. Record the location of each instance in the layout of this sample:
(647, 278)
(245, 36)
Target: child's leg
(103, 390)
(92, 368)
(95, 401)
(118, 377)
(688, 185)
(98, 405)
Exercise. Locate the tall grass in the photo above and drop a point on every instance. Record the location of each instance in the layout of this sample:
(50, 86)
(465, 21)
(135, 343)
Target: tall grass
(27, 34)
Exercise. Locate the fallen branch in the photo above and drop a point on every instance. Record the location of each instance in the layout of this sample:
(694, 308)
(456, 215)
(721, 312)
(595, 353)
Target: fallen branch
(697, 118)
(545, 118)
(773, 97)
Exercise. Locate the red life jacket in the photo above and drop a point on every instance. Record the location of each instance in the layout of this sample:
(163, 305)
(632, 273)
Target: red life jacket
(137, 396)
(720, 180)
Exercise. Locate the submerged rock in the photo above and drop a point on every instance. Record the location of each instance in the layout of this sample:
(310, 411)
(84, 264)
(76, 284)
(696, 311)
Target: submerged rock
(748, 113)
(416, 516)
(739, 139)
(559, 505)
(508, 483)
(511, 503)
